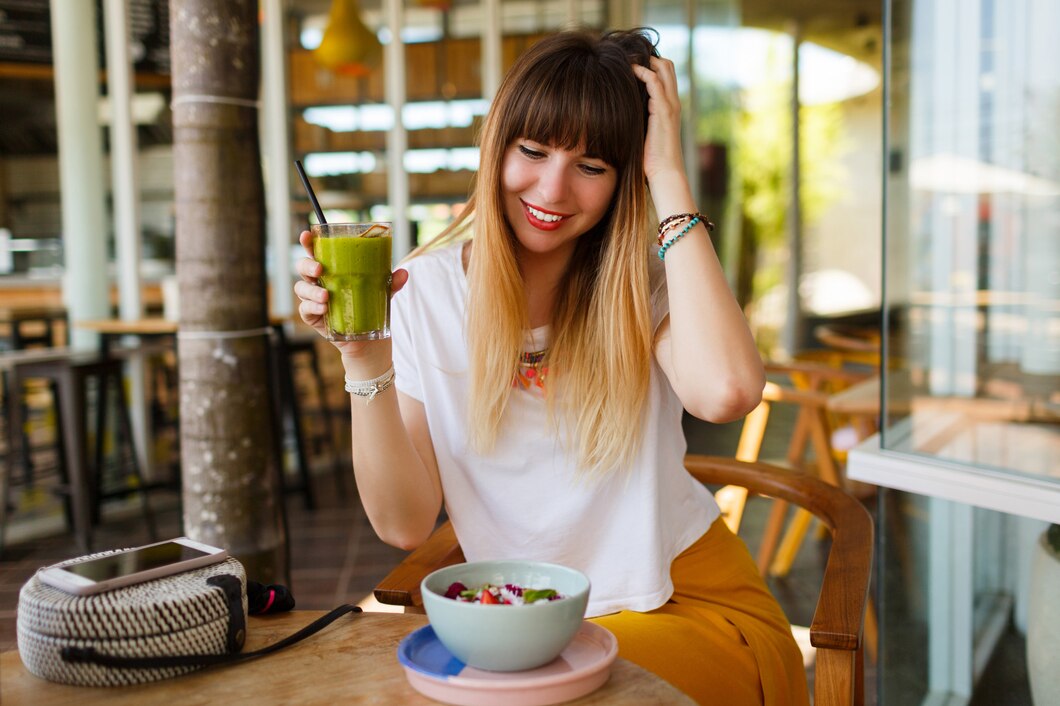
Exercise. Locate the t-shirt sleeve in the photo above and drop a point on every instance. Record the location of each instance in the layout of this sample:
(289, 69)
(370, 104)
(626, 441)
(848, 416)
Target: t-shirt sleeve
(660, 302)
(402, 328)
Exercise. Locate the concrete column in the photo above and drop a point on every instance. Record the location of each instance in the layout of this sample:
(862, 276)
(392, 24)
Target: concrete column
(572, 15)
(688, 111)
(126, 200)
(793, 326)
(123, 151)
(85, 281)
(397, 137)
(277, 158)
(492, 69)
(625, 14)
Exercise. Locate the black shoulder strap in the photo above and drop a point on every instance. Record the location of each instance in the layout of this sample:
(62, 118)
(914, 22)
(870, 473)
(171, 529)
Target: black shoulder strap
(236, 635)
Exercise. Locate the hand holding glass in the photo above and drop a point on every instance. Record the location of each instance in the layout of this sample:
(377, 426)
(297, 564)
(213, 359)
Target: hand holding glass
(355, 258)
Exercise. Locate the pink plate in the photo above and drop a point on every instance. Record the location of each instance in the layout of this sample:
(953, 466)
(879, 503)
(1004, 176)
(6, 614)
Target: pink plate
(582, 667)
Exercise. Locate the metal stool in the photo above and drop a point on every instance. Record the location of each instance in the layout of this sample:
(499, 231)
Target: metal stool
(305, 348)
(82, 479)
(285, 351)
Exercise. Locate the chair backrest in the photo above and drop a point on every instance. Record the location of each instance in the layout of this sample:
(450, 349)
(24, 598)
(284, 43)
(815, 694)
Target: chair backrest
(838, 622)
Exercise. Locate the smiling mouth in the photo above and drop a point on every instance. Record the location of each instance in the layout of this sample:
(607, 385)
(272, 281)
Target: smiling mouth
(542, 218)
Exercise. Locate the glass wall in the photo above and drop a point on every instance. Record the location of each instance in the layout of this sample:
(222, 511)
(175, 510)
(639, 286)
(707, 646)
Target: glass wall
(973, 233)
(971, 380)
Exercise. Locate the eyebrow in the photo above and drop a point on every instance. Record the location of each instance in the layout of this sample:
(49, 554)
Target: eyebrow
(584, 155)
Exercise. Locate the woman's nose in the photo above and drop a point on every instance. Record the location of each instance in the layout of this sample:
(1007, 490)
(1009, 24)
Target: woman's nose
(552, 183)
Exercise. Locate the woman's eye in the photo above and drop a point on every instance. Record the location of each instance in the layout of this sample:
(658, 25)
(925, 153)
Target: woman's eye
(592, 170)
(532, 154)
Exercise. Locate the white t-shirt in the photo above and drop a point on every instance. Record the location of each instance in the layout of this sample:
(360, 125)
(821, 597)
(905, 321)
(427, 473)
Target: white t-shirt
(525, 500)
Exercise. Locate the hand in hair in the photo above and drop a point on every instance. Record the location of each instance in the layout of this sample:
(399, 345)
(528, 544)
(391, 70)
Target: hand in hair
(313, 298)
(662, 146)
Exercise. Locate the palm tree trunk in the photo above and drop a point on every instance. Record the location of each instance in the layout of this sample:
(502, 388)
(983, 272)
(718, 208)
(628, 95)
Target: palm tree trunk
(229, 470)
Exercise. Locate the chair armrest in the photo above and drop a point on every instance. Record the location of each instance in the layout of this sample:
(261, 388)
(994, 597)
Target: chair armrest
(840, 615)
(402, 585)
(772, 392)
(858, 338)
(819, 370)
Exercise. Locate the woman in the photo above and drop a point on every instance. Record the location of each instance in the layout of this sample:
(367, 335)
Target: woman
(544, 348)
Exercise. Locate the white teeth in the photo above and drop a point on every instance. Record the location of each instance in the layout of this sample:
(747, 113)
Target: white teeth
(542, 216)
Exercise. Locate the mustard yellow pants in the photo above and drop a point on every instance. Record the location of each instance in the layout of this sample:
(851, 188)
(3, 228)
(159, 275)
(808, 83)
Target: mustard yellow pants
(722, 638)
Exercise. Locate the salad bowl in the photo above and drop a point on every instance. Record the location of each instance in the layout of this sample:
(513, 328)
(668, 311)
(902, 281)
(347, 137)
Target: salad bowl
(504, 634)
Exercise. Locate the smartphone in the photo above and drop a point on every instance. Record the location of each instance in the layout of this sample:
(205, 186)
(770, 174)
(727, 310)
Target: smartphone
(152, 561)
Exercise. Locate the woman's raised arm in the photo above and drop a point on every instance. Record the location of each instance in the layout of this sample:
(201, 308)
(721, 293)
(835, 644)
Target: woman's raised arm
(393, 457)
(704, 346)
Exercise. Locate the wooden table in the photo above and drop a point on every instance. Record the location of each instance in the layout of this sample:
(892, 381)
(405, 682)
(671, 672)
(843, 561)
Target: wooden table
(862, 339)
(862, 398)
(149, 326)
(352, 661)
(111, 331)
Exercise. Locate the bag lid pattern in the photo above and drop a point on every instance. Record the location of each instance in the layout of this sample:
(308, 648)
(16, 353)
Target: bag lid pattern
(173, 615)
(164, 605)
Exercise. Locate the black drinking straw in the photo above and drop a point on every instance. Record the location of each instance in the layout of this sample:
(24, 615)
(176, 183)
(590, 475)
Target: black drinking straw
(309, 190)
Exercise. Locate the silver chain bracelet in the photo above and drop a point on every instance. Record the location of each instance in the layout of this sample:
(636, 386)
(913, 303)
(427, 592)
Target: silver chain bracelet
(370, 388)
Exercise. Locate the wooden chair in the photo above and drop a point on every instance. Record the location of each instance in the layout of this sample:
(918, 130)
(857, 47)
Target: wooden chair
(810, 386)
(811, 432)
(809, 389)
(836, 630)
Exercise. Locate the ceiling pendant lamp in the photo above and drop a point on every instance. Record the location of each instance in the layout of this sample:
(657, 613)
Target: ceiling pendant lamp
(348, 46)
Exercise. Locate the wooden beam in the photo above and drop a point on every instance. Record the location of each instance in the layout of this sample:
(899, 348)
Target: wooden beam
(43, 72)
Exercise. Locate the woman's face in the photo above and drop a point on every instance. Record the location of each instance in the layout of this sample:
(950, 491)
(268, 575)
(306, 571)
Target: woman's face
(553, 195)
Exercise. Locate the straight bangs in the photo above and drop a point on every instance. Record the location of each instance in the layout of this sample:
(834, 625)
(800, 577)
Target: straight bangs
(591, 100)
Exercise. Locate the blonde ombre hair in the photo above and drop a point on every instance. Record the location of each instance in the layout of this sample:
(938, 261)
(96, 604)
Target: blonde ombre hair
(572, 90)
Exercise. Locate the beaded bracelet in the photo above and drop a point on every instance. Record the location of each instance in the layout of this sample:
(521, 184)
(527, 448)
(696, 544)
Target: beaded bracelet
(669, 243)
(671, 222)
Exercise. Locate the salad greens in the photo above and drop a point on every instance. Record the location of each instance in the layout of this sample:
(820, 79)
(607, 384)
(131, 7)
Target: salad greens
(508, 594)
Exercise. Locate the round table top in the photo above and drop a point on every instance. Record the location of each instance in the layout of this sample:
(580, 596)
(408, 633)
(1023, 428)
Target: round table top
(354, 657)
(153, 326)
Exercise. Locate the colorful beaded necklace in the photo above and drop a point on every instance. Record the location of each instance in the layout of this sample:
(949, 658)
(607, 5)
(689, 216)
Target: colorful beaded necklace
(530, 372)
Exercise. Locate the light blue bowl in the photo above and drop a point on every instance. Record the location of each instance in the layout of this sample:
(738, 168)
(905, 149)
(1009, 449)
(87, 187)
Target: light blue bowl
(506, 638)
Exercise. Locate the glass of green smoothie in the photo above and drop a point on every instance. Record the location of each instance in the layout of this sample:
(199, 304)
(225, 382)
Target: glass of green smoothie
(356, 262)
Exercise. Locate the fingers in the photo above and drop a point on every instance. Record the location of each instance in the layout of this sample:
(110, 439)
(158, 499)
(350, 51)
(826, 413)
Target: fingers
(398, 280)
(313, 300)
(312, 312)
(308, 291)
(667, 73)
(309, 269)
(664, 67)
(662, 142)
(661, 82)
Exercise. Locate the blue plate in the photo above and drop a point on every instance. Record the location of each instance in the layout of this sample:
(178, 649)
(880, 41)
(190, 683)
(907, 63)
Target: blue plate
(422, 652)
(582, 667)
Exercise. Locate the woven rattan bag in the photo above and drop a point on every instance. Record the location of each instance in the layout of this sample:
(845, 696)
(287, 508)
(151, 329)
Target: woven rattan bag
(198, 612)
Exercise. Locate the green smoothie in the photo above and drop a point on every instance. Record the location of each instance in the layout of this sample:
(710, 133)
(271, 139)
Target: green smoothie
(357, 277)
